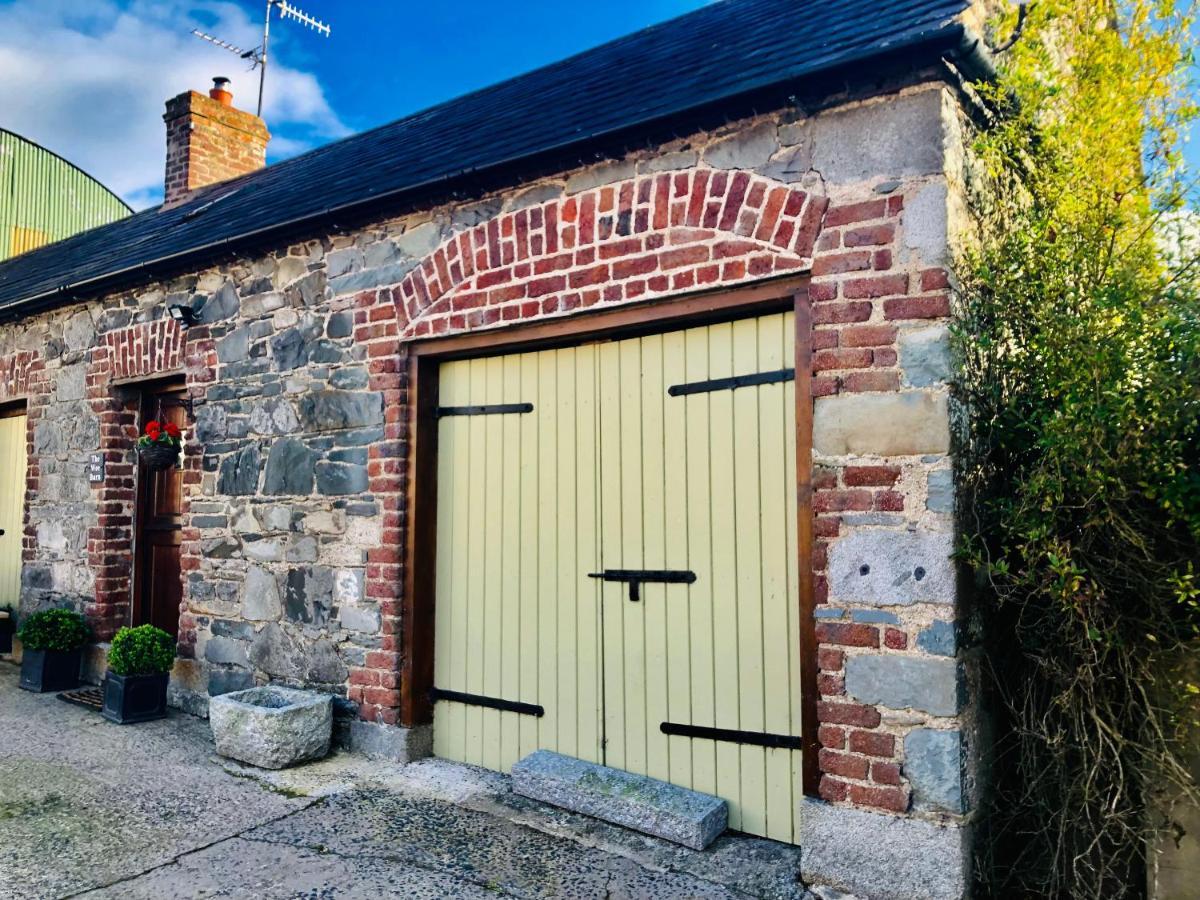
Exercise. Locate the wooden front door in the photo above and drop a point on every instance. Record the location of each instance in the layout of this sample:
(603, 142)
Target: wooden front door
(12, 503)
(157, 586)
(617, 562)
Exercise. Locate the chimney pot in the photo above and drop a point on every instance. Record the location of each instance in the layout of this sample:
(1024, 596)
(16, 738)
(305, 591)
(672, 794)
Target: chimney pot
(220, 91)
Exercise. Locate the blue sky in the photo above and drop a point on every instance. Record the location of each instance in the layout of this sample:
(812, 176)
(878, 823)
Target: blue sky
(88, 78)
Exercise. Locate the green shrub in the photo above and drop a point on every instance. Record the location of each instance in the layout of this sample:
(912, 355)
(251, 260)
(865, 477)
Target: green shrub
(144, 650)
(54, 629)
(1078, 338)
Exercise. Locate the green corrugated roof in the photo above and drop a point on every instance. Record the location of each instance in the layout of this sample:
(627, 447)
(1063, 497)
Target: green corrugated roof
(44, 198)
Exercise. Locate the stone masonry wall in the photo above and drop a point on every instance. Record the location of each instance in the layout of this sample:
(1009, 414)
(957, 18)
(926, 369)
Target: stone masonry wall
(294, 474)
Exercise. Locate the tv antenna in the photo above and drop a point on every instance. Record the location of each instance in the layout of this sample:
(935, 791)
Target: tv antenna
(258, 55)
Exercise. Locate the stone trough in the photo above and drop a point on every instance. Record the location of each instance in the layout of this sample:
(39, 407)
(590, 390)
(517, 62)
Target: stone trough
(272, 727)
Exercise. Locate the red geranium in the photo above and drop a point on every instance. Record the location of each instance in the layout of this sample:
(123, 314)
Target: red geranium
(160, 433)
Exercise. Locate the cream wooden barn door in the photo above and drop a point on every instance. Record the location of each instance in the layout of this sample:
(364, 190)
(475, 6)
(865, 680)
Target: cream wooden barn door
(697, 481)
(616, 572)
(12, 504)
(517, 619)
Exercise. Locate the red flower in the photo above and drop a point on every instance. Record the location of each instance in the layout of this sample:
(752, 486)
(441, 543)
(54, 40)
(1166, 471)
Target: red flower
(153, 429)
(173, 430)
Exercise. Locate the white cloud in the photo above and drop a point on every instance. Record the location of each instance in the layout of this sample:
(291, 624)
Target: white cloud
(89, 80)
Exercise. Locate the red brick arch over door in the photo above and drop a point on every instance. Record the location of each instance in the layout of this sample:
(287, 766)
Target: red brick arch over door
(633, 240)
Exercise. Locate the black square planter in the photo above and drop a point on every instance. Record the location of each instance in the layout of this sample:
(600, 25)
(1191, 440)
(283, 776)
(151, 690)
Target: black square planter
(50, 670)
(135, 698)
(7, 627)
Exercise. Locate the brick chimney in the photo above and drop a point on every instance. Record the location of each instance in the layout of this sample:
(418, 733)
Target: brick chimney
(208, 141)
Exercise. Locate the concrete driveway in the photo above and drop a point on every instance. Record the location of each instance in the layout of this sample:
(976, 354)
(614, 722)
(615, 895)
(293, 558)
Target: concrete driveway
(92, 809)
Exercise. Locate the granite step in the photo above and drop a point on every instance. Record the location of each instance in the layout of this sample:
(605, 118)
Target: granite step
(639, 802)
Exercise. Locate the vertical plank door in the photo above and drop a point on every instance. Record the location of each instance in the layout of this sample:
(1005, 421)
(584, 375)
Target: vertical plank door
(158, 582)
(702, 482)
(12, 504)
(517, 621)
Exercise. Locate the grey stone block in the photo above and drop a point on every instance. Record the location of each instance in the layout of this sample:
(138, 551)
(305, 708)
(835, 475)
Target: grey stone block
(221, 305)
(271, 727)
(899, 136)
(226, 681)
(926, 226)
(892, 568)
(925, 357)
(329, 410)
(904, 424)
(940, 497)
(225, 650)
(274, 416)
(289, 468)
(933, 766)
(880, 856)
(276, 652)
(899, 682)
(939, 638)
(606, 173)
(363, 619)
(368, 278)
(633, 801)
(340, 325)
(875, 617)
(289, 349)
(350, 379)
(744, 150)
(309, 595)
(235, 346)
(339, 479)
(419, 240)
(239, 473)
(390, 742)
(287, 270)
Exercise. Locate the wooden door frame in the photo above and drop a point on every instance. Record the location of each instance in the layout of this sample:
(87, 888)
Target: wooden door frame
(420, 550)
(143, 389)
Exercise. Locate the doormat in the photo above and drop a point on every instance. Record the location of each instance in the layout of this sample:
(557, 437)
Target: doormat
(89, 698)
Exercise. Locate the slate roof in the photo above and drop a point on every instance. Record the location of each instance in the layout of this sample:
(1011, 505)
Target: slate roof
(713, 55)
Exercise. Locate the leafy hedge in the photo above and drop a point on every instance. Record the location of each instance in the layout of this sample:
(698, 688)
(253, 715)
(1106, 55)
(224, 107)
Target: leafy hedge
(1078, 339)
(144, 650)
(54, 629)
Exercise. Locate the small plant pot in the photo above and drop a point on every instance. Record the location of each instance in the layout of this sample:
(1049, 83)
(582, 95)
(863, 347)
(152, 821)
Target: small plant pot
(7, 627)
(135, 698)
(157, 457)
(271, 727)
(44, 671)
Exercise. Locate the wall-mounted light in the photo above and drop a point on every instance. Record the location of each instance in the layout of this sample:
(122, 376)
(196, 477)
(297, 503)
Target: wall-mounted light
(186, 316)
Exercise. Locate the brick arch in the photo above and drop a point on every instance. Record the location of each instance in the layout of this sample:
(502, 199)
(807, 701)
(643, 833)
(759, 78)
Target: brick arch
(636, 239)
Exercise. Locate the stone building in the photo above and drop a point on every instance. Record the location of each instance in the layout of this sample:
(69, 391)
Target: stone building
(672, 312)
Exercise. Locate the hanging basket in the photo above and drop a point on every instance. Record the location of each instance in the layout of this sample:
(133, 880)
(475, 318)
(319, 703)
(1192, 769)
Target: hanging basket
(157, 457)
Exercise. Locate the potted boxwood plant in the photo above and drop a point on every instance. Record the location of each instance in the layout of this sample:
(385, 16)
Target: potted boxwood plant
(159, 445)
(8, 625)
(139, 663)
(52, 641)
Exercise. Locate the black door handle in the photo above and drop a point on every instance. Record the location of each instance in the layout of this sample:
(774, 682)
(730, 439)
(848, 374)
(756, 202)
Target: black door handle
(636, 577)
